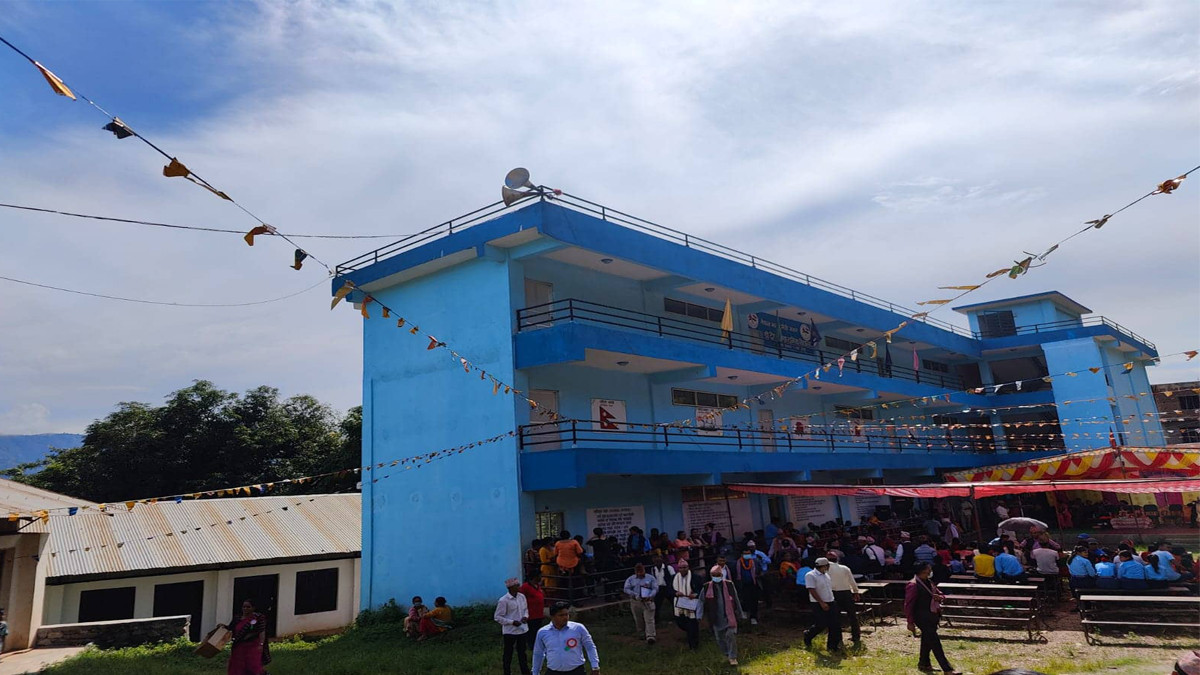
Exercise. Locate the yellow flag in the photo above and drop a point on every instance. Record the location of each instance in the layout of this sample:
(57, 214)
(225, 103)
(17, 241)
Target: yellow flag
(934, 302)
(1129, 366)
(175, 169)
(958, 288)
(341, 293)
(727, 320)
(56, 84)
(129, 505)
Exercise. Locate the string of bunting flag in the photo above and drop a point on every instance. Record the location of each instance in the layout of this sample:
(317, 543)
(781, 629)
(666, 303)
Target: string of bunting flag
(1018, 269)
(174, 168)
(407, 463)
(778, 391)
(177, 169)
(919, 401)
(114, 510)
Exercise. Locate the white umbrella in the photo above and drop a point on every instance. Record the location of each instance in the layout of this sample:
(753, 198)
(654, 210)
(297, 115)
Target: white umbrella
(1020, 523)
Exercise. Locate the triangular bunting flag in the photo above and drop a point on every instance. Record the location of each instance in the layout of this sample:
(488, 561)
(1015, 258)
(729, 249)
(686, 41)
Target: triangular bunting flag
(341, 293)
(56, 84)
(298, 258)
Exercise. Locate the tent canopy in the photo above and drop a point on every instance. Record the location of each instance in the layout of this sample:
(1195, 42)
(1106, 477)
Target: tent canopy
(977, 490)
(1180, 461)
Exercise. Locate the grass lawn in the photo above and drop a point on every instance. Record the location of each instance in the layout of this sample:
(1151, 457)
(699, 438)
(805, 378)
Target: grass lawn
(773, 648)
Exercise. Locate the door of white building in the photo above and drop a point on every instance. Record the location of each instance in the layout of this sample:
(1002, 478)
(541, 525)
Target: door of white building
(766, 423)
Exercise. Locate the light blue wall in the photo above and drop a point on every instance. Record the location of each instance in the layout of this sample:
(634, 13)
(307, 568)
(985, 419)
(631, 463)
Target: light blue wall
(417, 400)
(1074, 395)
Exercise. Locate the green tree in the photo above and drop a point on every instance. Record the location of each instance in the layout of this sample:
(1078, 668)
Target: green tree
(204, 438)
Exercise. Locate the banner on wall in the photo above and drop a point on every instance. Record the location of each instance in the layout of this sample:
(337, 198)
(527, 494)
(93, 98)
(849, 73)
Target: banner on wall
(697, 514)
(803, 510)
(772, 329)
(608, 415)
(708, 422)
(864, 505)
(615, 520)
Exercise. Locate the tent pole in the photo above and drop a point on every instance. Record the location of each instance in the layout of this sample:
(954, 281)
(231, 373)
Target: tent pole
(1137, 522)
(978, 525)
(729, 514)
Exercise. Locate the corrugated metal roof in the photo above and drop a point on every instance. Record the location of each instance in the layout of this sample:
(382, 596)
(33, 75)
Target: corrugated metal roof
(21, 498)
(204, 532)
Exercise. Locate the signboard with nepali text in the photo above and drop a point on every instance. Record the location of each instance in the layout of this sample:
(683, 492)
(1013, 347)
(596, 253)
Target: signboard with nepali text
(697, 514)
(615, 520)
(816, 510)
(794, 335)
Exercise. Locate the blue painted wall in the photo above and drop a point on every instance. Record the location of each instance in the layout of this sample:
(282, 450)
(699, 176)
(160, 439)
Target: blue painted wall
(414, 401)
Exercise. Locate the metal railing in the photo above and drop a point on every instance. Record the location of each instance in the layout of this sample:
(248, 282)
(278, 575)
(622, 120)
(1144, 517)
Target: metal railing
(1051, 326)
(661, 231)
(542, 316)
(572, 433)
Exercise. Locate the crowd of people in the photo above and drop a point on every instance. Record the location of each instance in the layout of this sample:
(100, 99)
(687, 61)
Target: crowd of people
(702, 576)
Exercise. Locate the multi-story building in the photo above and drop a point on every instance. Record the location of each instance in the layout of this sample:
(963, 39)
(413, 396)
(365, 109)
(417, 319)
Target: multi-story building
(615, 324)
(1178, 406)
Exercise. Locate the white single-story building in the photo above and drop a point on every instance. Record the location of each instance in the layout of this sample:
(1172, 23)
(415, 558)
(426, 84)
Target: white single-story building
(297, 557)
(23, 563)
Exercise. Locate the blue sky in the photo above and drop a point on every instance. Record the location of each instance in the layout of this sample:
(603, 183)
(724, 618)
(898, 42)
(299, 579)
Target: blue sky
(888, 147)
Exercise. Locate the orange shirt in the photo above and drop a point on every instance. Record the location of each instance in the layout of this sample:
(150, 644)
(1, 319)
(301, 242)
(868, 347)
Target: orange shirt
(568, 552)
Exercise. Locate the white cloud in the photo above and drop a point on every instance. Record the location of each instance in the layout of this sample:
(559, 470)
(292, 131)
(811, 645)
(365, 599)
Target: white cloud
(890, 148)
(24, 418)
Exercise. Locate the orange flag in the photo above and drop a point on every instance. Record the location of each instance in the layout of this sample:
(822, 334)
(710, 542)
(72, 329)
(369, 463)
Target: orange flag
(56, 83)
(260, 229)
(366, 301)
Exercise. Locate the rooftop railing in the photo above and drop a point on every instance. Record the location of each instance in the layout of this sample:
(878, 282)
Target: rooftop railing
(573, 433)
(571, 309)
(661, 231)
(1051, 326)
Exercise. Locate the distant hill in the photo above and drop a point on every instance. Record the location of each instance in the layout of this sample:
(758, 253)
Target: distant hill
(16, 450)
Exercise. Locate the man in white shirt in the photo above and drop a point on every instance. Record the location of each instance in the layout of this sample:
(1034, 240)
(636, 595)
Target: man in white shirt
(845, 594)
(1047, 565)
(512, 613)
(1001, 512)
(825, 613)
(641, 588)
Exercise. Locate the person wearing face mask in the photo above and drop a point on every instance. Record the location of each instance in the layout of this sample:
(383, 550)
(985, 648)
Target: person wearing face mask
(746, 572)
(722, 609)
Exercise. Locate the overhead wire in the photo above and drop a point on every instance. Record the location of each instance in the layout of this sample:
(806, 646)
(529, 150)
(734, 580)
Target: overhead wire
(196, 227)
(143, 301)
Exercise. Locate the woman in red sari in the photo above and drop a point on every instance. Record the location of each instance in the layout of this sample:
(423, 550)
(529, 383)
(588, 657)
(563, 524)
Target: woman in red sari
(250, 651)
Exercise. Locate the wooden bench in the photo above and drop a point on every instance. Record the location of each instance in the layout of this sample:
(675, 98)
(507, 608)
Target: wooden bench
(996, 605)
(1137, 611)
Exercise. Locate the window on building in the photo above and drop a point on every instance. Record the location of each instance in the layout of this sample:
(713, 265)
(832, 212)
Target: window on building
(1189, 401)
(316, 591)
(548, 524)
(935, 366)
(702, 399)
(854, 413)
(106, 604)
(1189, 435)
(692, 310)
(840, 344)
(708, 493)
(997, 324)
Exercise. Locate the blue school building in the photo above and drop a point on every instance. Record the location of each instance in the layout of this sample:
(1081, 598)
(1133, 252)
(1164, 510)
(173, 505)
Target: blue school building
(616, 324)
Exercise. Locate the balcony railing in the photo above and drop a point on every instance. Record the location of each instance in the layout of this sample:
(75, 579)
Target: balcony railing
(1051, 326)
(571, 433)
(542, 316)
(624, 219)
